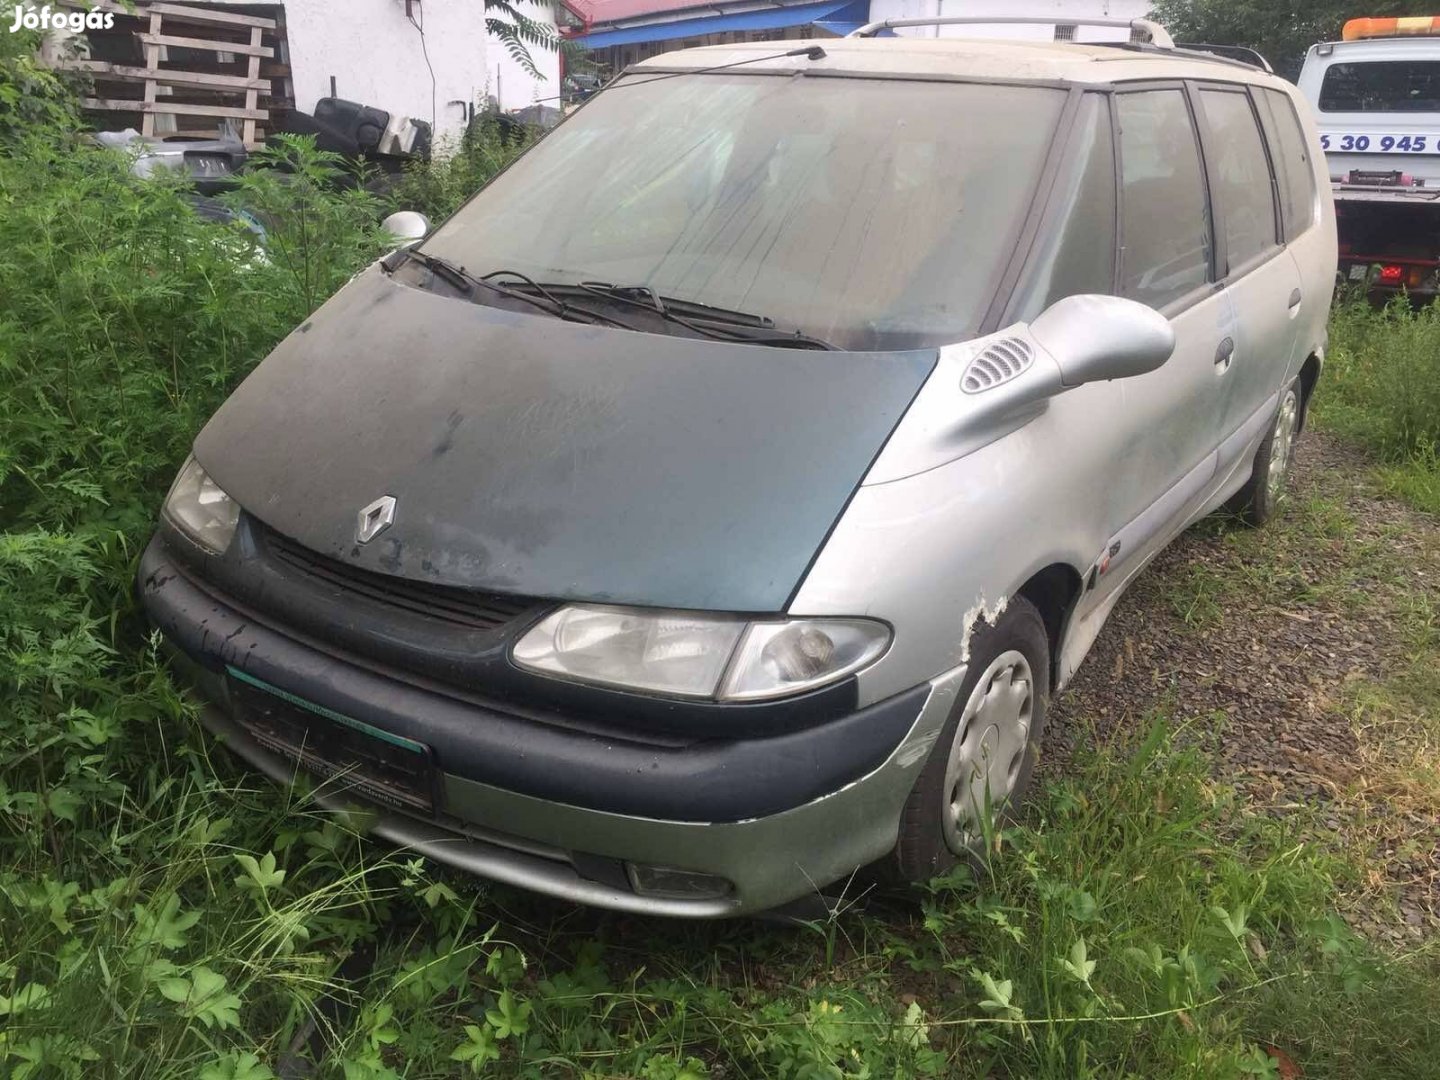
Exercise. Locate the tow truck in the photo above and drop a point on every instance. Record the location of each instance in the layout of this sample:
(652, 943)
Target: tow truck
(1376, 95)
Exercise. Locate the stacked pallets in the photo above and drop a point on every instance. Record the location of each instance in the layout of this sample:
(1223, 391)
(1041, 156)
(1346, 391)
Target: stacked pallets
(189, 70)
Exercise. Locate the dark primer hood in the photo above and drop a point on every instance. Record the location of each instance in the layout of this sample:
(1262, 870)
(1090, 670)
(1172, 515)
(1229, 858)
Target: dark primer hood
(534, 456)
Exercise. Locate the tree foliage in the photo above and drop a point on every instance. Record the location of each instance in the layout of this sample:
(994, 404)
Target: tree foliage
(32, 95)
(517, 32)
(1282, 30)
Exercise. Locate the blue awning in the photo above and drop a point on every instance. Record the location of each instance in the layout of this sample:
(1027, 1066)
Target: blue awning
(839, 13)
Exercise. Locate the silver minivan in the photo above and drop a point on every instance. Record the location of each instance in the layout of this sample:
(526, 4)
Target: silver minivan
(713, 505)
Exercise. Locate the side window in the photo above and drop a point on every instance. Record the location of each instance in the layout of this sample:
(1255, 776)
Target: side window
(1244, 190)
(1293, 165)
(1076, 249)
(1165, 219)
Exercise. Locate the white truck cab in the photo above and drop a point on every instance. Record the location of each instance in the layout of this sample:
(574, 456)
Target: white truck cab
(1376, 96)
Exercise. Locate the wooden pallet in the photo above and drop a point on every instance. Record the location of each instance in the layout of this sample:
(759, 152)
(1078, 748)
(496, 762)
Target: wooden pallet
(222, 97)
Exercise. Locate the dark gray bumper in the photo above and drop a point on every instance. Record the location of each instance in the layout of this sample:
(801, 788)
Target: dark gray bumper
(810, 825)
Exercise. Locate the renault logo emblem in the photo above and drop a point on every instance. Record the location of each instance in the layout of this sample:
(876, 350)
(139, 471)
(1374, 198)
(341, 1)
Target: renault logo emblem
(375, 519)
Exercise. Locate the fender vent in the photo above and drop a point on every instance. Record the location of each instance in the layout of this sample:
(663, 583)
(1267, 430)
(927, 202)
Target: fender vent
(1002, 361)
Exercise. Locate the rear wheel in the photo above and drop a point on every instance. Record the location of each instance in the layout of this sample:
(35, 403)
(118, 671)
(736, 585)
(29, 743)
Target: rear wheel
(981, 764)
(1261, 497)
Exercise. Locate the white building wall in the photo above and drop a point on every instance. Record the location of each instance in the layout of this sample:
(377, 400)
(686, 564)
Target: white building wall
(510, 84)
(376, 56)
(1042, 9)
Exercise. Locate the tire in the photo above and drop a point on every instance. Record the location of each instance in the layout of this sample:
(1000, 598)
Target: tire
(934, 831)
(1260, 500)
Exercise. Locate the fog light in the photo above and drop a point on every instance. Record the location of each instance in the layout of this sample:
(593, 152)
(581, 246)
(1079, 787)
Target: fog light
(668, 883)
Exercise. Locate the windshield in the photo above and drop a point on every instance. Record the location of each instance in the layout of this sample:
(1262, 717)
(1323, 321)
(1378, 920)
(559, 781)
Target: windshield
(873, 214)
(1382, 86)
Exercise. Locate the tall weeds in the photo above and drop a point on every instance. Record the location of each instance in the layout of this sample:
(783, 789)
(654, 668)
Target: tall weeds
(1382, 378)
(439, 187)
(136, 927)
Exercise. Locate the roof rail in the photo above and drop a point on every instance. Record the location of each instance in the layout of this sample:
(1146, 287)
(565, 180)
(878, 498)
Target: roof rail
(1141, 30)
(1237, 53)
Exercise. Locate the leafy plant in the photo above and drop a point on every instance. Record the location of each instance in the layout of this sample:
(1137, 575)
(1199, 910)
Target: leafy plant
(1382, 379)
(517, 32)
(33, 97)
(319, 230)
(438, 188)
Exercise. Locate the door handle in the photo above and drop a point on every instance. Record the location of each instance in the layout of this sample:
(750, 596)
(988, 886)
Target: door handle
(1295, 297)
(1224, 353)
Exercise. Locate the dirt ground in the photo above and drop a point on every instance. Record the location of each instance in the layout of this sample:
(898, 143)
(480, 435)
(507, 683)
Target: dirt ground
(1305, 657)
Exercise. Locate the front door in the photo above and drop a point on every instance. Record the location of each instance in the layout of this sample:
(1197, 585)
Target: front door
(1165, 422)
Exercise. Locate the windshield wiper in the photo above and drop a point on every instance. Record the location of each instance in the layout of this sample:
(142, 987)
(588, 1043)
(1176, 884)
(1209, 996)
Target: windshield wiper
(465, 282)
(722, 324)
(649, 298)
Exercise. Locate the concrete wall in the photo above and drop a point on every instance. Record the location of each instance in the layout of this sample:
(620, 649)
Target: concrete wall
(1048, 9)
(375, 54)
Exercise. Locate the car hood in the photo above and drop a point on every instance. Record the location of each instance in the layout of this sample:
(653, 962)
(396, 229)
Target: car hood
(539, 457)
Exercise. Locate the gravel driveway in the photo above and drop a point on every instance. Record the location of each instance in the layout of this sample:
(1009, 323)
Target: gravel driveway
(1305, 657)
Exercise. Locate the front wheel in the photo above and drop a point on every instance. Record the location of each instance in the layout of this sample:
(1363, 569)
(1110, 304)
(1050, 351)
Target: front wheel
(1260, 499)
(981, 764)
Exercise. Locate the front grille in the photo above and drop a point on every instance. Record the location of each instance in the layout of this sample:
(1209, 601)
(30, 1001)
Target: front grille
(466, 608)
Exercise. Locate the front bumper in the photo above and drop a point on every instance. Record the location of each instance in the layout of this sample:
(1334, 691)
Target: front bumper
(769, 861)
(548, 843)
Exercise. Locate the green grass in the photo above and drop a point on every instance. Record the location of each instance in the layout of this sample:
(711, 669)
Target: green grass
(1381, 388)
(1397, 720)
(1415, 481)
(164, 913)
(1314, 555)
(1141, 922)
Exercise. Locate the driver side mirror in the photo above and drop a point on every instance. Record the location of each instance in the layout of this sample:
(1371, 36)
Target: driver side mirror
(1095, 338)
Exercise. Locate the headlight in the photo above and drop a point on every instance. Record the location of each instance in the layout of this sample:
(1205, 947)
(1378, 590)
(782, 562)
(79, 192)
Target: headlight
(787, 657)
(664, 653)
(199, 509)
(697, 655)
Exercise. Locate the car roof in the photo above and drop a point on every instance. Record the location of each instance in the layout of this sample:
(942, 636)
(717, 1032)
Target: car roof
(971, 58)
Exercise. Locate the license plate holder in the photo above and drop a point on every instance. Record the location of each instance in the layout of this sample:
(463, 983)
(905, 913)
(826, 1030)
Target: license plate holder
(348, 755)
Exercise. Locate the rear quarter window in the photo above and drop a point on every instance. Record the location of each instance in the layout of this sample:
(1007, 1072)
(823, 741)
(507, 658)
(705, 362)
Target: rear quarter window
(1294, 166)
